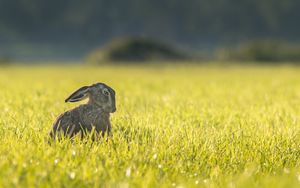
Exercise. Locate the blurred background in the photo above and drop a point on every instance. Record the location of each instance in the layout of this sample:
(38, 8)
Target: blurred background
(143, 30)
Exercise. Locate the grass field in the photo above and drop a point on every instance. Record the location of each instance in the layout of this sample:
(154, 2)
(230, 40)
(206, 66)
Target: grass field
(182, 126)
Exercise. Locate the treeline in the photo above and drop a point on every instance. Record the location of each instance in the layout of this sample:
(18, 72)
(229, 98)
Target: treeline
(191, 23)
(261, 51)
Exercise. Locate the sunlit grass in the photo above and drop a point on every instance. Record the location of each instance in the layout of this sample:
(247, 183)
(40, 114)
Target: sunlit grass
(187, 126)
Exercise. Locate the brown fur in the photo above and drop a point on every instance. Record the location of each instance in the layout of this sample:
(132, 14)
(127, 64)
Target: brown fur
(87, 117)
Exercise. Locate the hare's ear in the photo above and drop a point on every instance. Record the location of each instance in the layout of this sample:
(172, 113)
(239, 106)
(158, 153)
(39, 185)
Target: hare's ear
(80, 94)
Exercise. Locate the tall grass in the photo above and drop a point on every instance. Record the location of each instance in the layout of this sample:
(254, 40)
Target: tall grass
(182, 126)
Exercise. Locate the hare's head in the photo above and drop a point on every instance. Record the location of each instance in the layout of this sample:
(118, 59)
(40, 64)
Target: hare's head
(99, 94)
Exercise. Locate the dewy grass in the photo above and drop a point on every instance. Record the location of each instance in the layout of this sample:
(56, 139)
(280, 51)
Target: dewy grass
(177, 126)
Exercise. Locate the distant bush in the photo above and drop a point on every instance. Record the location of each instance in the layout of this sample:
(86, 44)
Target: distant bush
(134, 50)
(4, 60)
(264, 50)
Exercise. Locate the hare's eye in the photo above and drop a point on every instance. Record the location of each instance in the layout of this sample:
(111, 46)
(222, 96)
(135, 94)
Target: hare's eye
(105, 92)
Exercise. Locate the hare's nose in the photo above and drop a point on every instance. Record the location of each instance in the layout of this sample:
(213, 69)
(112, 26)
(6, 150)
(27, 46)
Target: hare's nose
(114, 109)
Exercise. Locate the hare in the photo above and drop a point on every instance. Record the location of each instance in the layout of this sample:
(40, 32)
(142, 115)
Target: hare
(87, 117)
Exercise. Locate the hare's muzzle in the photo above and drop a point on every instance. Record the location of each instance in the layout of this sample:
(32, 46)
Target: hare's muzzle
(114, 109)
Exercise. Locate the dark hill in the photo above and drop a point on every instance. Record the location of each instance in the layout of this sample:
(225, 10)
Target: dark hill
(135, 50)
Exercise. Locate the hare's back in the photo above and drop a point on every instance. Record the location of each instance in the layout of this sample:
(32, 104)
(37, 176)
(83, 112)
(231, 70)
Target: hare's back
(66, 119)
